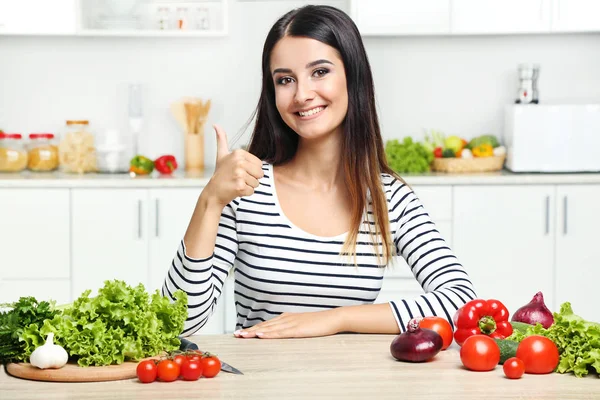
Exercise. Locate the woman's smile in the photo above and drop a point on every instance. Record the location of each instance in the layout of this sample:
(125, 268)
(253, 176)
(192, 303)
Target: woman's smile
(310, 114)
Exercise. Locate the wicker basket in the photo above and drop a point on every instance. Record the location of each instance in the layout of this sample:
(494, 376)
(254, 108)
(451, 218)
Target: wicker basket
(475, 164)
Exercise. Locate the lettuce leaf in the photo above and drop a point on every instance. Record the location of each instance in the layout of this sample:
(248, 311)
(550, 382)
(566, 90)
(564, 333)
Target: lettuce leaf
(121, 324)
(578, 341)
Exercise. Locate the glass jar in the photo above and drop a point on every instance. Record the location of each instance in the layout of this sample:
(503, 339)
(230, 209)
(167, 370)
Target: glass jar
(13, 155)
(77, 152)
(42, 152)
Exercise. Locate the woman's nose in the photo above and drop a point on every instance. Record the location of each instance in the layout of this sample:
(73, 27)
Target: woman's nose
(304, 92)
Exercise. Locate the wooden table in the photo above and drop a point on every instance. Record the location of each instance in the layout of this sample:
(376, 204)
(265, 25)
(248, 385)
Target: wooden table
(335, 367)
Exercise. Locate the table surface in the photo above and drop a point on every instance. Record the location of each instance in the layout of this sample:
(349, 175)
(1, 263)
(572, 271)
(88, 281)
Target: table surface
(348, 366)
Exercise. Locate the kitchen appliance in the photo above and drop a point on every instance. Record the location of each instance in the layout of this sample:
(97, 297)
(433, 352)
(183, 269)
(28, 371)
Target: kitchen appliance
(552, 138)
(528, 87)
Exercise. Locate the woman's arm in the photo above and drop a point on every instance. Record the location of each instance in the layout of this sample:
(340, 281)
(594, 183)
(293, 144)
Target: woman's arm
(203, 260)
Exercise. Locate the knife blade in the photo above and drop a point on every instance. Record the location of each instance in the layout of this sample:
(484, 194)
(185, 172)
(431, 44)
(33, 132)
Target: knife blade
(189, 345)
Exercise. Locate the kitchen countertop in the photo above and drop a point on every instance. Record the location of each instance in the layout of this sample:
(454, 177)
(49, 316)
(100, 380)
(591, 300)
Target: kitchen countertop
(346, 366)
(199, 179)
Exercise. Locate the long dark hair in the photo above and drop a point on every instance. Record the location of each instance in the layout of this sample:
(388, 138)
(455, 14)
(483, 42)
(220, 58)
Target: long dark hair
(362, 146)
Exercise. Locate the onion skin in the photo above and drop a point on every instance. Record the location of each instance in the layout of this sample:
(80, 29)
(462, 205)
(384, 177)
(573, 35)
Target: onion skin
(416, 344)
(533, 312)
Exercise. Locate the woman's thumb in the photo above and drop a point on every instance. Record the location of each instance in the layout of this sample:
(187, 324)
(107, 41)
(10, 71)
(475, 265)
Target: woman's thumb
(222, 146)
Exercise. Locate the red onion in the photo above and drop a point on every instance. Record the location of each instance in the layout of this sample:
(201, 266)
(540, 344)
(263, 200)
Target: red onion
(416, 344)
(533, 312)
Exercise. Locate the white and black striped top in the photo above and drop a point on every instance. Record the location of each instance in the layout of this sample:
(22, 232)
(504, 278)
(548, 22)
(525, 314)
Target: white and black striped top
(281, 268)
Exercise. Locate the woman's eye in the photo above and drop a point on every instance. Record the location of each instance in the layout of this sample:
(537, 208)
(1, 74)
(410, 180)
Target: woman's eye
(284, 81)
(320, 72)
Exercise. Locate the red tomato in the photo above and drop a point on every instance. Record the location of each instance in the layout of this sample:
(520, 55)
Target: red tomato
(180, 360)
(441, 326)
(146, 371)
(539, 354)
(513, 368)
(168, 370)
(480, 353)
(191, 370)
(210, 366)
(195, 355)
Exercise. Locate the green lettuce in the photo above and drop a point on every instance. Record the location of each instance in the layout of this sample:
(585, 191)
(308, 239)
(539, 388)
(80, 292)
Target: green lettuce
(578, 341)
(122, 323)
(408, 156)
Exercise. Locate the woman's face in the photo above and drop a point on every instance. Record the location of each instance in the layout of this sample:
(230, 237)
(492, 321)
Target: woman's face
(310, 86)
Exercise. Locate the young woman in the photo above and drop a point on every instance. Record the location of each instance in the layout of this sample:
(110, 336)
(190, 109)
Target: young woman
(311, 215)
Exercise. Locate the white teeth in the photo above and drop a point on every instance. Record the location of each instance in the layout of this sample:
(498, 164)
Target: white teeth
(311, 112)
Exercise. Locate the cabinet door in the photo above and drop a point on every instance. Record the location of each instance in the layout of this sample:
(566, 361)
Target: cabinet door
(500, 16)
(58, 290)
(576, 16)
(38, 17)
(503, 235)
(577, 250)
(401, 17)
(170, 213)
(109, 237)
(34, 234)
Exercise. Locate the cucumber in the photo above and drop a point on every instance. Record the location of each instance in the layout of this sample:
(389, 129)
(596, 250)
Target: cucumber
(520, 326)
(508, 349)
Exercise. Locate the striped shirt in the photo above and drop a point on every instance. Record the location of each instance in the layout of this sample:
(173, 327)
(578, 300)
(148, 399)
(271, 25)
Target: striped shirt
(280, 268)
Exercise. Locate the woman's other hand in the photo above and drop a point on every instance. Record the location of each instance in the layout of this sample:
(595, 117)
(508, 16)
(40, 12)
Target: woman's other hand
(295, 325)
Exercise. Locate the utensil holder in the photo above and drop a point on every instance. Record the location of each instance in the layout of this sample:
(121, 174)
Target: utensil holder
(194, 151)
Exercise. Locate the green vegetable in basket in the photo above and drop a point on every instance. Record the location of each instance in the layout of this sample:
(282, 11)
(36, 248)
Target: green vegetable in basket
(408, 156)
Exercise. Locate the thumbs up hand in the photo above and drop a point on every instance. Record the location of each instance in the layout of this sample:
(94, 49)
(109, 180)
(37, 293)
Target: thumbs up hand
(236, 174)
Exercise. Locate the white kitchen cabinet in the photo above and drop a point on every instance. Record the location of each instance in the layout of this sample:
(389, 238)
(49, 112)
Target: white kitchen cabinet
(503, 236)
(109, 237)
(38, 17)
(577, 249)
(34, 234)
(500, 16)
(170, 213)
(576, 16)
(401, 17)
(58, 290)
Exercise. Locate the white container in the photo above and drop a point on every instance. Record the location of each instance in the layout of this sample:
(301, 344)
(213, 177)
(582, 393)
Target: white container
(112, 155)
(552, 138)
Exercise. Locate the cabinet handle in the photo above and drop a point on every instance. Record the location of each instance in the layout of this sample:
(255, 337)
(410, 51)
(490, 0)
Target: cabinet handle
(139, 219)
(547, 215)
(565, 208)
(157, 217)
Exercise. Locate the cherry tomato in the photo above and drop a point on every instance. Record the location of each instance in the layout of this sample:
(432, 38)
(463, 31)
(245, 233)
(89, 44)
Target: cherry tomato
(211, 366)
(195, 355)
(180, 359)
(513, 368)
(441, 326)
(146, 371)
(168, 370)
(480, 353)
(539, 354)
(191, 370)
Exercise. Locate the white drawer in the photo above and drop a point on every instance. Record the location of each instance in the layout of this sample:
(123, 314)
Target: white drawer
(437, 201)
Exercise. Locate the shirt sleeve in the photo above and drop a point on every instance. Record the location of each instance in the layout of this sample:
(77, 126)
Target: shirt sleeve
(203, 279)
(445, 282)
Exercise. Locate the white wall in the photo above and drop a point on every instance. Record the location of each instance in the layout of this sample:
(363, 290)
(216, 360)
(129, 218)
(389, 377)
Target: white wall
(455, 84)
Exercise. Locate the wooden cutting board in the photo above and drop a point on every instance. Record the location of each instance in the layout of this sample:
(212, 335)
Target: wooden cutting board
(73, 372)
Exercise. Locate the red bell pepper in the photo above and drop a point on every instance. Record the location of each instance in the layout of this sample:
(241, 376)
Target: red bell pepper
(487, 317)
(165, 164)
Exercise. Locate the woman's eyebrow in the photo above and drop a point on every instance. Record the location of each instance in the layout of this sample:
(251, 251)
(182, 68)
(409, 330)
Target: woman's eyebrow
(309, 65)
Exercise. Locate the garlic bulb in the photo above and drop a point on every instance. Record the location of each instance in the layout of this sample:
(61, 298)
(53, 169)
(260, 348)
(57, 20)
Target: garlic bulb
(49, 355)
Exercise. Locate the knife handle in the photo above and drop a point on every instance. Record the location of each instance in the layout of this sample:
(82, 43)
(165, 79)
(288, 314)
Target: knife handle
(187, 345)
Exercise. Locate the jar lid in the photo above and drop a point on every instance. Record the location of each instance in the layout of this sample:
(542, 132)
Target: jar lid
(11, 136)
(41, 136)
(78, 122)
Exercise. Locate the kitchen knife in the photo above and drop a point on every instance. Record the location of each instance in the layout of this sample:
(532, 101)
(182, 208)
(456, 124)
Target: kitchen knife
(189, 345)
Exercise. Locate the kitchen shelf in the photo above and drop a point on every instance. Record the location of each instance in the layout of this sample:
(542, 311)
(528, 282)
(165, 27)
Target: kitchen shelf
(149, 33)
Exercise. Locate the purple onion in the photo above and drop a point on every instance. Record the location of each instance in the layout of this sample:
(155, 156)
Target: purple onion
(416, 344)
(533, 312)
